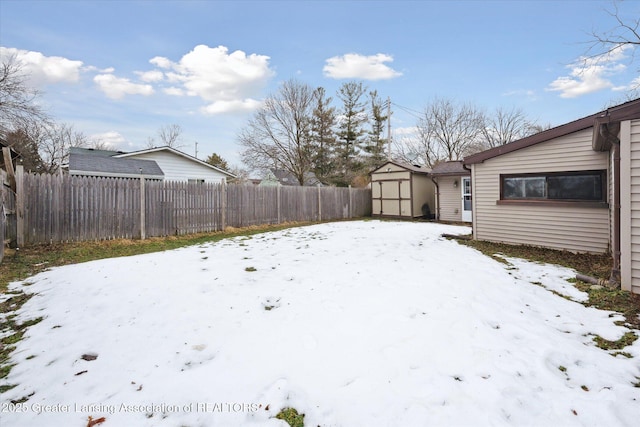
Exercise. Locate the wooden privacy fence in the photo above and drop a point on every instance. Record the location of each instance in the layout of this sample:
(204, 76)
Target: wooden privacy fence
(63, 208)
(7, 213)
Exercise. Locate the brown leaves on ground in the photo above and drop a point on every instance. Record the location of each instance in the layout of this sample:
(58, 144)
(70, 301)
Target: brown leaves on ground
(91, 422)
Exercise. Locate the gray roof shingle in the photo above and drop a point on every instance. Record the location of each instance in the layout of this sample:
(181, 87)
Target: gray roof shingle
(102, 162)
(450, 168)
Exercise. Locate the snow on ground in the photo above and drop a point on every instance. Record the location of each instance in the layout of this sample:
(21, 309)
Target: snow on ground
(362, 323)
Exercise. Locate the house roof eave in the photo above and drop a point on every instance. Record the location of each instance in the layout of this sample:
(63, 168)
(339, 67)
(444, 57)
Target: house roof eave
(627, 111)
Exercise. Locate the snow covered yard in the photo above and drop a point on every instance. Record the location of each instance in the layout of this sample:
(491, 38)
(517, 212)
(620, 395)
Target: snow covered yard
(363, 323)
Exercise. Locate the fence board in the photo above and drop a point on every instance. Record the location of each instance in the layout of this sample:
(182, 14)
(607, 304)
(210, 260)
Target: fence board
(62, 208)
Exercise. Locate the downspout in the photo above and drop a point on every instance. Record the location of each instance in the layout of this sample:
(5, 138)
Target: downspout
(437, 197)
(606, 133)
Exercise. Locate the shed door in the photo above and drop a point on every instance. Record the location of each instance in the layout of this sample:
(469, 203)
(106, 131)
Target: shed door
(394, 198)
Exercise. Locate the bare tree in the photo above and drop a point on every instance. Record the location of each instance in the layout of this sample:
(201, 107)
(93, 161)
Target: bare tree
(448, 130)
(278, 135)
(55, 141)
(505, 126)
(168, 135)
(241, 175)
(27, 149)
(18, 101)
(625, 34)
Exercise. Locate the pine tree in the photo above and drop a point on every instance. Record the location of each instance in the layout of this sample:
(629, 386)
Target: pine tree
(350, 132)
(376, 144)
(323, 136)
(216, 160)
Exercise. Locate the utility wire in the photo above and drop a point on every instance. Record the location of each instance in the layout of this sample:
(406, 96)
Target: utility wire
(414, 113)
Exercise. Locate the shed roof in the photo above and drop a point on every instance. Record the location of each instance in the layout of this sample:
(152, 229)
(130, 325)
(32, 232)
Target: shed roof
(628, 110)
(413, 168)
(450, 168)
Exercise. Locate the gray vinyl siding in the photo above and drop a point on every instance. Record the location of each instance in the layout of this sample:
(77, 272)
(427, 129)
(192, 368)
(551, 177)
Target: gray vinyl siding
(630, 201)
(450, 198)
(576, 229)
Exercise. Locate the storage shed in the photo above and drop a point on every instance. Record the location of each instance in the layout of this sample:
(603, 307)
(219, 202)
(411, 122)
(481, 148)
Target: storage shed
(401, 190)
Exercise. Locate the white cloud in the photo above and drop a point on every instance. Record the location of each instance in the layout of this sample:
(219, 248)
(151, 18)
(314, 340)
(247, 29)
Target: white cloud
(174, 91)
(111, 140)
(404, 131)
(150, 76)
(237, 105)
(633, 85)
(527, 93)
(353, 65)
(229, 81)
(161, 62)
(117, 87)
(45, 69)
(590, 74)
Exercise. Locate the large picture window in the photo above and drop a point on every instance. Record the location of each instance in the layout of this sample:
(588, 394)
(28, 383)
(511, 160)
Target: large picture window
(562, 186)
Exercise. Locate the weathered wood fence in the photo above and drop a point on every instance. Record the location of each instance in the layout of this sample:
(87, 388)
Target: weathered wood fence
(63, 208)
(7, 213)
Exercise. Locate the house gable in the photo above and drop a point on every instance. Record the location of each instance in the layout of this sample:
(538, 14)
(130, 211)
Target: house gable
(179, 166)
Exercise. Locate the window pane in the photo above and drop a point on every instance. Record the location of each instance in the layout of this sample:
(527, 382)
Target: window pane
(467, 203)
(575, 187)
(524, 188)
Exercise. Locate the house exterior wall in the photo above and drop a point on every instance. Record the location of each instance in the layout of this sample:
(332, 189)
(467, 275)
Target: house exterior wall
(574, 228)
(178, 168)
(450, 198)
(630, 205)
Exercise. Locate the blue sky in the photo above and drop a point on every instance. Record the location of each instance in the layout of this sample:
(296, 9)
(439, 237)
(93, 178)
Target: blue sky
(119, 70)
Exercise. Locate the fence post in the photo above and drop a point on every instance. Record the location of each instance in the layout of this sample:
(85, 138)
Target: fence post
(143, 213)
(319, 205)
(350, 207)
(278, 202)
(20, 206)
(223, 205)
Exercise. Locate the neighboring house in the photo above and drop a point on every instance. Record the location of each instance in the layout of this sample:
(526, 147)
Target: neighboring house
(156, 163)
(401, 190)
(91, 162)
(453, 191)
(575, 187)
(282, 177)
